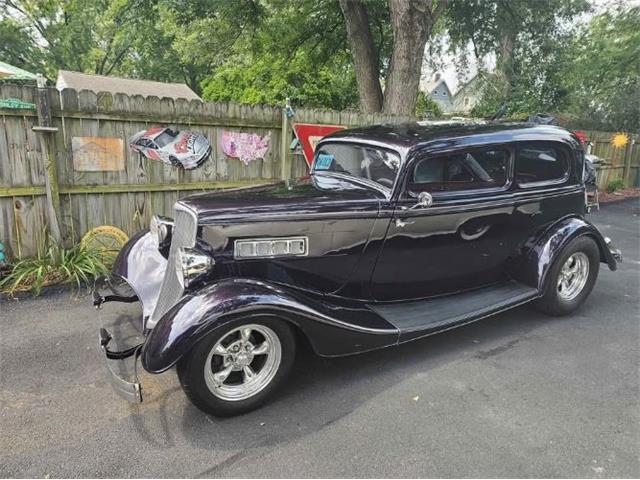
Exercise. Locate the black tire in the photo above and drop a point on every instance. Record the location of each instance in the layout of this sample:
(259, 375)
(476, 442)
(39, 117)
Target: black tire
(552, 301)
(174, 161)
(191, 369)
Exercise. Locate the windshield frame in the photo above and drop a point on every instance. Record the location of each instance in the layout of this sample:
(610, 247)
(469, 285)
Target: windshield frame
(386, 191)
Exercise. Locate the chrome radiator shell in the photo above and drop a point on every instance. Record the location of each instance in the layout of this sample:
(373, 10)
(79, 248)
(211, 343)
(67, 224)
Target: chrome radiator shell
(184, 236)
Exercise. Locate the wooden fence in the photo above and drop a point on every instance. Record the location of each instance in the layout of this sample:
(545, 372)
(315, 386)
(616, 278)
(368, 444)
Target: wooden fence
(621, 163)
(129, 197)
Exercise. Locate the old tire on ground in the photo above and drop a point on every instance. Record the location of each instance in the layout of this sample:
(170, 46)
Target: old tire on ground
(571, 278)
(237, 369)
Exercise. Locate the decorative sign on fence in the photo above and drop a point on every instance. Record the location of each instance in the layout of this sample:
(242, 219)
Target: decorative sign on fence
(620, 140)
(246, 147)
(180, 148)
(310, 134)
(97, 154)
(16, 104)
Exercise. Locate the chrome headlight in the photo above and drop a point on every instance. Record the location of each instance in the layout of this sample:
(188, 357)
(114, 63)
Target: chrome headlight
(161, 228)
(192, 264)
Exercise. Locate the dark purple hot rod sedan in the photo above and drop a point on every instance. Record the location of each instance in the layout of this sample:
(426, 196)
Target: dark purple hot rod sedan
(400, 232)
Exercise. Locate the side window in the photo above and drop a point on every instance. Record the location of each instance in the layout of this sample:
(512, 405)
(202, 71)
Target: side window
(460, 171)
(541, 162)
(361, 161)
(146, 143)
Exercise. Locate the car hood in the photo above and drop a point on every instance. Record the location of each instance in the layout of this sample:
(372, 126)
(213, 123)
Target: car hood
(315, 195)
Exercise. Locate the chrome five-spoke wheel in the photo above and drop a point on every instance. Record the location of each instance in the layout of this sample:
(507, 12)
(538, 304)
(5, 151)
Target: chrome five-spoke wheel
(243, 362)
(573, 276)
(236, 368)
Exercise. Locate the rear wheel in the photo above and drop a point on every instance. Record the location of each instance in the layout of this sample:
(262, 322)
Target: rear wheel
(236, 370)
(571, 278)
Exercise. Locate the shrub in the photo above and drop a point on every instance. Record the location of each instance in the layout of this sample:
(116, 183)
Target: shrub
(79, 265)
(614, 185)
(427, 107)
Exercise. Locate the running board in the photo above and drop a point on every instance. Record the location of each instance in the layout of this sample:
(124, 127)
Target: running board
(419, 318)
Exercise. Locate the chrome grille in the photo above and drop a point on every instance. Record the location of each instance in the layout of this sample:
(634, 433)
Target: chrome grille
(183, 235)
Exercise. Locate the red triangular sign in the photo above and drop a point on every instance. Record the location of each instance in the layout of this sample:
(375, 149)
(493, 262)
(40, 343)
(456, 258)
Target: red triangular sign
(310, 134)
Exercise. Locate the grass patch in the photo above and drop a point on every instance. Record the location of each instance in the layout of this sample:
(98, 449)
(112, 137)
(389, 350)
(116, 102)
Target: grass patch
(614, 185)
(55, 265)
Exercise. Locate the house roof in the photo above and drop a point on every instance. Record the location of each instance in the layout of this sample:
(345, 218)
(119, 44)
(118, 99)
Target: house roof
(129, 86)
(9, 72)
(431, 85)
(472, 82)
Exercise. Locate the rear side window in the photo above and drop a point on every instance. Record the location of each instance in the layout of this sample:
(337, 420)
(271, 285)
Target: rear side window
(461, 171)
(541, 163)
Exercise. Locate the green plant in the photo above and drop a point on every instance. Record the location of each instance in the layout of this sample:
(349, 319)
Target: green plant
(54, 265)
(427, 107)
(614, 185)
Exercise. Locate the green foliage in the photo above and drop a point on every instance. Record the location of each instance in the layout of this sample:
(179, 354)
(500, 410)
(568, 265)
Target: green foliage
(614, 185)
(427, 107)
(106, 37)
(54, 265)
(296, 50)
(17, 46)
(263, 51)
(270, 79)
(529, 40)
(494, 26)
(588, 76)
(603, 80)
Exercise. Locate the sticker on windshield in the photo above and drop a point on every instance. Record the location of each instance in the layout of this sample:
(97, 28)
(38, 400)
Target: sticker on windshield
(323, 161)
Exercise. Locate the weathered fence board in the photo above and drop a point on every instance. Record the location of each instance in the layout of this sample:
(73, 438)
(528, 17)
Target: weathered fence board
(615, 158)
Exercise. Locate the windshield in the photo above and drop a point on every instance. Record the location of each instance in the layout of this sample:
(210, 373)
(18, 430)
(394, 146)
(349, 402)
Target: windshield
(370, 163)
(165, 137)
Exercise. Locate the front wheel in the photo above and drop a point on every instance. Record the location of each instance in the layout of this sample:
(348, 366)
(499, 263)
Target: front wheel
(571, 278)
(237, 369)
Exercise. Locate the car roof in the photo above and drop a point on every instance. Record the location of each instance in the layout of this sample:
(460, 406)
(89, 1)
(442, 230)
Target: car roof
(153, 132)
(406, 136)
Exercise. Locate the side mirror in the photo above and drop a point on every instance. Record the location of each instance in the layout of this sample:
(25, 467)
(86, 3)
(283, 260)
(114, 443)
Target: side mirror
(424, 200)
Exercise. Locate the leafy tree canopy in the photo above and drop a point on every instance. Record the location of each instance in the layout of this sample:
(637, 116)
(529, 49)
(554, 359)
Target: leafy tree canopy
(263, 51)
(603, 80)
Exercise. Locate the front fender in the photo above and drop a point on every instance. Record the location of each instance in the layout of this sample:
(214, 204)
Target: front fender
(543, 250)
(331, 329)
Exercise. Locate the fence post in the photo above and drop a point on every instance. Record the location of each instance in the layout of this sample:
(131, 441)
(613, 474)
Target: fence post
(627, 162)
(284, 143)
(48, 151)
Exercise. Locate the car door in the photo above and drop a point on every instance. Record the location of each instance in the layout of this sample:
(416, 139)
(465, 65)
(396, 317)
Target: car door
(459, 242)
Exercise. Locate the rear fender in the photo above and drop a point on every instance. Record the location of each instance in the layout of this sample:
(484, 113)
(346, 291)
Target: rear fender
(542, 251)
(213, 307)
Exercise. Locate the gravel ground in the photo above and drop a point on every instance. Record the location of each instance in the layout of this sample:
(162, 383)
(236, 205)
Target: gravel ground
(516, 395)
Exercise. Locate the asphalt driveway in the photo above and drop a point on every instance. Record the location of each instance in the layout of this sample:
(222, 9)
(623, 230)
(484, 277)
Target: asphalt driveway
(516, 395)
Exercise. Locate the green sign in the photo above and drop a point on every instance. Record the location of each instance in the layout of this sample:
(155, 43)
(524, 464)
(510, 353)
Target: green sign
(15, 104)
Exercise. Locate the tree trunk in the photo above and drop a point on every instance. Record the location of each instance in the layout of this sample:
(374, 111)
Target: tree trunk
(412, 22)
(504, 62)
(365, 56)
